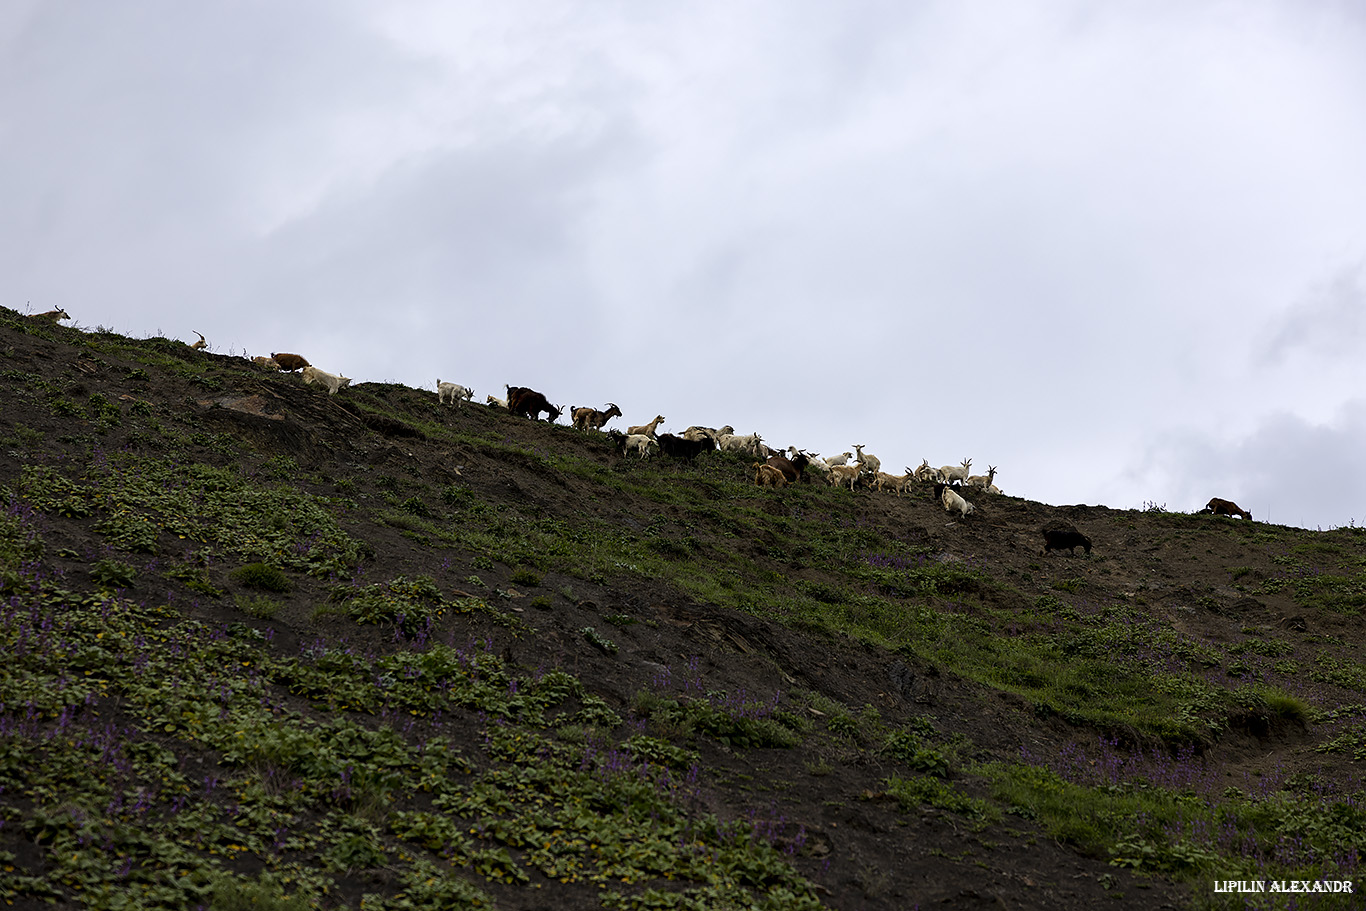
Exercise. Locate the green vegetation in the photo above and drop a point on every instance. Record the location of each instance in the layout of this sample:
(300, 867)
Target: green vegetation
(395, 735)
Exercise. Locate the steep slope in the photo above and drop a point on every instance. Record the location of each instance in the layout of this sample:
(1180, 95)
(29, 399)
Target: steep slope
(277, 646)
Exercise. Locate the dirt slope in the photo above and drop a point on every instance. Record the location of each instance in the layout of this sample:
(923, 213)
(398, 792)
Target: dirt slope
(861, 848)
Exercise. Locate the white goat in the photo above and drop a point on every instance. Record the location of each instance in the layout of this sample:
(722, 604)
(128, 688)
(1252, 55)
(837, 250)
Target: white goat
(641, 443)
(841, 459)
(53, 315)
(493, 402)
(952, 501)
(696, 433)
(333, 381)
(753, 443)
(647, 429)
(869, 463)
(452, 393)
(958, 473)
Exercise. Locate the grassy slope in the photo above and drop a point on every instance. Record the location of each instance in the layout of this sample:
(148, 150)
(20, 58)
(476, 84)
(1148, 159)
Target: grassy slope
(253, 641)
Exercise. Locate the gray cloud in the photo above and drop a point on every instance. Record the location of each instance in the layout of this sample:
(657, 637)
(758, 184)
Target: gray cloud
(1286, 469)
(1328, 320)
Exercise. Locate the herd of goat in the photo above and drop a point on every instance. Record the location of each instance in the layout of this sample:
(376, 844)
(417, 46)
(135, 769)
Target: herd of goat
(774, 468)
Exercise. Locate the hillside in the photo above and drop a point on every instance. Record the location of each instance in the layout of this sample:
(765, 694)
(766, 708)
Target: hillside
(273, 649)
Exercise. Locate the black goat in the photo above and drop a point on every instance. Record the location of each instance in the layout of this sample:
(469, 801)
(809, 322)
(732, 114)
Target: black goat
(1064, 536)
(682, 448)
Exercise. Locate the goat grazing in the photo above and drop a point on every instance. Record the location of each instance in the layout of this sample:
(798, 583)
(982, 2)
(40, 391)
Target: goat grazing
(528, 403)
(267, 362)
(333, 381)
(201, 343)
(493, 402)
(793, 468)
(452, 393)
(710, 433)
(592, 419)
(289, 362)
(953, 502)
(647, 429)
(766, 475)
(641, 443)
(1226, 508)
(51, 315)
(683, 448)
(1062, 535)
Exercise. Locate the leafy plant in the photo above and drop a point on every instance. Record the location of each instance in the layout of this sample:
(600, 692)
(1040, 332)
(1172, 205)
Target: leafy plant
(261, 575)
(111, 574)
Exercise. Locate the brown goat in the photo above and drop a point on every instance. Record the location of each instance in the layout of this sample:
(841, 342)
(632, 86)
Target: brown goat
(592, 419)
(53, 315)
(766, 475)
(528, 403)
(290, 362)
(793, 469)
(1226, 508)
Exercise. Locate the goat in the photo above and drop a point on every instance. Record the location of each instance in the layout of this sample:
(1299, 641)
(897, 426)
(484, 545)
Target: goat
(496, 403)
(792, 468)
(868, 463)
(289, 362)
(898, 483)
(841, 459)
(959, 473)
(1226, 508)
(818, 465)
(267, 362)
(683, 448)
(640, 442)
(528, 403)
(333, 381)
(843, 474)
(766, 475)
(201, 343)
(983, 481)
(710, 433)
(452, 393)
(926, 473)
(952, 501)
(647, 429)
(592, 419)
(51, 315)
(1058, 535)
(753, 443)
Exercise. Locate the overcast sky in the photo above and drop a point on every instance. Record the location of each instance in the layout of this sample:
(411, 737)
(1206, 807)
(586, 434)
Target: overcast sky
(1117, 250)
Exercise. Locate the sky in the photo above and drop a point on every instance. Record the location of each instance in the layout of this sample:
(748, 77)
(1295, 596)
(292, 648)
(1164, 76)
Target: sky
(1116, 250)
